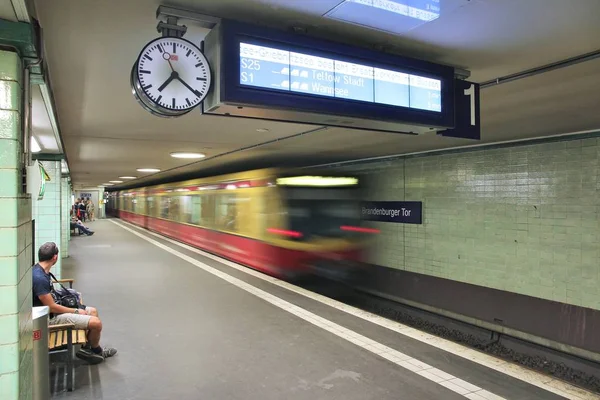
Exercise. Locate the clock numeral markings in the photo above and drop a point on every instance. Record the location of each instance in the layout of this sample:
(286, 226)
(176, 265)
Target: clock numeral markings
(144, 71)
(188, 101)
(188, 53)
(173, 102)
(147, 57)
(197, 65)
(174, 48)
(200, 79)
(160, 49)
(147, 87)
(158, 99)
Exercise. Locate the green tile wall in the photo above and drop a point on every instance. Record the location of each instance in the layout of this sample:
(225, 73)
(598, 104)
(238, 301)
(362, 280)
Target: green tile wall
(524, 219)
(65, 205)
(15, 243)
(48, 212)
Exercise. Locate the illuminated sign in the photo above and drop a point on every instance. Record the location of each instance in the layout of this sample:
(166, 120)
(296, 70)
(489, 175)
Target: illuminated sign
(326, 181)
(271, 68)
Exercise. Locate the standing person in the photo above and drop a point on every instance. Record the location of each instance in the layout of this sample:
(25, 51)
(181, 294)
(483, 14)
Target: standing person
(90, 209)
(76, 208)
(83, 318)
(82, 210)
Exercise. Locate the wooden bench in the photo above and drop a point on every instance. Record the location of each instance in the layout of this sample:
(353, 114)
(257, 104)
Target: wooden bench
(63, 338)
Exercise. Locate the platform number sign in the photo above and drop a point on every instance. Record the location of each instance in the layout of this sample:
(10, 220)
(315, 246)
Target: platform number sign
(467, 118)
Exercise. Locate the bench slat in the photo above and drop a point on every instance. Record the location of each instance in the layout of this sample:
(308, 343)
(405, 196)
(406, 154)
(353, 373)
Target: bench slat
(60, 338)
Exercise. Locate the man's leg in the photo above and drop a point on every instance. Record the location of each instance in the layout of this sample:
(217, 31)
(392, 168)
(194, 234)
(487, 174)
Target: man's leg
(92, 325)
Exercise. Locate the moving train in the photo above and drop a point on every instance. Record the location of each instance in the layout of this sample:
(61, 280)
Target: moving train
(283, 223)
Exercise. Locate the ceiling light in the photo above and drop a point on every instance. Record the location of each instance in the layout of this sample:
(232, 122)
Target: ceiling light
(128, 177)
(107, 184)
(262, 130)
(116, 181)
(148, 170)
(182, 154)
(35, 146)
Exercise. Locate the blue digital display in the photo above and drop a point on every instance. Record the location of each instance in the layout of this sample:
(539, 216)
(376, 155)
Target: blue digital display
(270, 68)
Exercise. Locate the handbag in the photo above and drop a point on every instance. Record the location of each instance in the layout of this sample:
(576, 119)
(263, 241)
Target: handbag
(63, 296)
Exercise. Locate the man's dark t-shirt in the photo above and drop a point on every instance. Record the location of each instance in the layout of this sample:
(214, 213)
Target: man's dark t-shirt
(41, 284)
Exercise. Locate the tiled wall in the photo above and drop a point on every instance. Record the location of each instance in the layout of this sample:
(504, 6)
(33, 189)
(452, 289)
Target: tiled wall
(15, 243)
(47, 212)
(524, 219)
(66, 217)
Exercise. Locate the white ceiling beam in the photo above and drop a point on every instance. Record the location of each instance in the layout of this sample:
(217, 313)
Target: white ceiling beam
(21, 12)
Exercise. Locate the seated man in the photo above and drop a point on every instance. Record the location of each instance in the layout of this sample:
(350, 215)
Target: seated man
(83, 318)
(77, 224)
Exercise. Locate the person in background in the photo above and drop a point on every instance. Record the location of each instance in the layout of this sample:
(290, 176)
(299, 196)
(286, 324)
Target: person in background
(83, 318)
(90, 209)
(82, 209)
(75, 211)
(77, 224)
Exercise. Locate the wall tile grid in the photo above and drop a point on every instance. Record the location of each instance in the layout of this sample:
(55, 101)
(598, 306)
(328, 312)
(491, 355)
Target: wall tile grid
(66, 217)
(524, 219)
(15, 243)
(47, 212)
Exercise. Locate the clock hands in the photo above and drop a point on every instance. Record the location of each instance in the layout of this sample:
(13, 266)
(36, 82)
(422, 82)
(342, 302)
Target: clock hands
(164, 85)
(175, 75)
(188, 86)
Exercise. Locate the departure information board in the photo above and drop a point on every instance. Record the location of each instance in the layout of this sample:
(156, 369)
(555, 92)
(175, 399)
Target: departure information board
(271, 68)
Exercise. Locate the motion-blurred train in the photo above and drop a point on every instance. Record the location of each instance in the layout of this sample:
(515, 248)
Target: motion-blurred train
(282, 223)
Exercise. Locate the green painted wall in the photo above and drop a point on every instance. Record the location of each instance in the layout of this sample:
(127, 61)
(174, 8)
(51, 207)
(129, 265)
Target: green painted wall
(16, 339)
(524, 219)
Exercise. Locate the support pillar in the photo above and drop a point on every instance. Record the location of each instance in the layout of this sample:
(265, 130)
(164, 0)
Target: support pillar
(16, 339)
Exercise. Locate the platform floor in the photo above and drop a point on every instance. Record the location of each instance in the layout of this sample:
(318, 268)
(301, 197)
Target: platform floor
(189, 326)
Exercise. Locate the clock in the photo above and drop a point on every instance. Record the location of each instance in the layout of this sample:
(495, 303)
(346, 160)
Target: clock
(170, 77)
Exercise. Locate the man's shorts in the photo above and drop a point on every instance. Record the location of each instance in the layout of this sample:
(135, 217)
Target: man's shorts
(81, 321)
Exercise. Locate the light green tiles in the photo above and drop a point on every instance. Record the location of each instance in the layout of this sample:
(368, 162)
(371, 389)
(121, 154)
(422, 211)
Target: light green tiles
(524, 219)
(47, 212)
(15, 243)
(65, 204)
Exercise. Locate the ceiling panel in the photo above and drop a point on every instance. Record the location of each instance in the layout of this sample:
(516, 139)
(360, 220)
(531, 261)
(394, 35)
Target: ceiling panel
(91, 46)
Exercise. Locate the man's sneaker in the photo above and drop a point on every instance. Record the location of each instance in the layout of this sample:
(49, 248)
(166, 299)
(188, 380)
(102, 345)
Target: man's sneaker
(89, 356)
(108, 352)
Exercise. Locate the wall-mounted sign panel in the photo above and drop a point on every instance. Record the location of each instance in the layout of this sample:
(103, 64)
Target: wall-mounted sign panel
(269, 74)
(403, 212)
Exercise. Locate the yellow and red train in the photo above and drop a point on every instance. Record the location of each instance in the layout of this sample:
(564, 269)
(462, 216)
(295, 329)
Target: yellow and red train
(283, 223)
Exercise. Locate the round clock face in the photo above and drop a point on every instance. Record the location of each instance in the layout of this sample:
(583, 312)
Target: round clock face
(171, 76)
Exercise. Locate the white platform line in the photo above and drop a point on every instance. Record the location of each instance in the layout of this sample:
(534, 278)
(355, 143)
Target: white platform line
(392, 355)
(516, 371)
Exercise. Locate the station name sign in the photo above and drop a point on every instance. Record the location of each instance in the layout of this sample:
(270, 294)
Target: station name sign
(403, 212)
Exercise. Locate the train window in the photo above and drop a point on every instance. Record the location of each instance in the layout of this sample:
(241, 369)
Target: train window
(164, 207)
(196, 210)
(226, 212)
(185, 209)
(151, 206)
(207, 211)
(174, 208)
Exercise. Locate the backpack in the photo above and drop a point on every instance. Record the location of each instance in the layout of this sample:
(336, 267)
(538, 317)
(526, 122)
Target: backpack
(65, 297)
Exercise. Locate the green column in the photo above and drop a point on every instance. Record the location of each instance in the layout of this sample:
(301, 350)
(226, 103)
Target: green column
(66, 217)
(47, 212)
(16, 339)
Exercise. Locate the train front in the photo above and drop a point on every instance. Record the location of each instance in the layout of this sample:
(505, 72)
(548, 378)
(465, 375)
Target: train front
(323, 225)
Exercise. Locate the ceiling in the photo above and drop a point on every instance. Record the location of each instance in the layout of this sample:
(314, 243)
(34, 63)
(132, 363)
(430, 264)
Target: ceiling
(91, 47)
